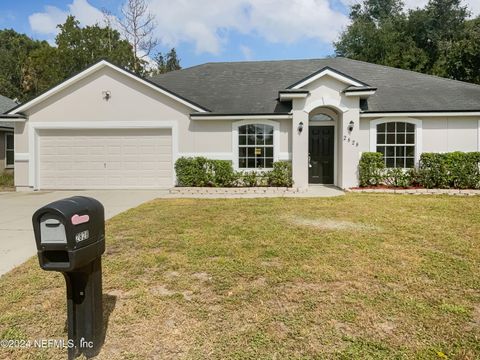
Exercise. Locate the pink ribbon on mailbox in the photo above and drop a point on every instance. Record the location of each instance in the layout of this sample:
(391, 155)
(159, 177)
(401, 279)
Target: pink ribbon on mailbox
(80, 219)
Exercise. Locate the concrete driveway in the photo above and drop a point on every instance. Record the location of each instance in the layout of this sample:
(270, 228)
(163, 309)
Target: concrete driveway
(17, 243)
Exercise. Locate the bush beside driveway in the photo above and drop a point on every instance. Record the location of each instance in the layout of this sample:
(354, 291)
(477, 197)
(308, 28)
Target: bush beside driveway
(358, 276)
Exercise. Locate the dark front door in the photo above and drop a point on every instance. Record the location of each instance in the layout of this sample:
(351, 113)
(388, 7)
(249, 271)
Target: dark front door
(321, 149)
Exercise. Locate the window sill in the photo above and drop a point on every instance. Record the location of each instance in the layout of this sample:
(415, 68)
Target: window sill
(255, 169)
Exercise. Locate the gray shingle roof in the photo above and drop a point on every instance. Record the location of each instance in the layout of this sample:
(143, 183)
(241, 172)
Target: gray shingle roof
(252, 87)
(6, 104)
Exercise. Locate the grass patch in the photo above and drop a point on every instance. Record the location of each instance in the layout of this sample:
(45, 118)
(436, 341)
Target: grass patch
(356, 277)
(6, 180)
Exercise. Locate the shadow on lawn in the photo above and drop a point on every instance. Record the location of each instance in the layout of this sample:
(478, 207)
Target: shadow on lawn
(109, 302)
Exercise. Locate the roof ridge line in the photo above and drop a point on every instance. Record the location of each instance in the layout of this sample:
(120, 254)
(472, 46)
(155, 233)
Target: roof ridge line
(412, 71)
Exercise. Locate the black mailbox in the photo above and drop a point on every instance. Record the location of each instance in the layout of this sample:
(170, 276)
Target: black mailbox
(69, 233)
(70, 237)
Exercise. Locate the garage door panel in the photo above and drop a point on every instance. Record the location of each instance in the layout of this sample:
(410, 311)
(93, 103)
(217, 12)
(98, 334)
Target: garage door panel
(120, 158)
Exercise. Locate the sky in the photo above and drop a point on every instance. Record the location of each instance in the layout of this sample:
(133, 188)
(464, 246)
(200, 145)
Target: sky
(210, 30)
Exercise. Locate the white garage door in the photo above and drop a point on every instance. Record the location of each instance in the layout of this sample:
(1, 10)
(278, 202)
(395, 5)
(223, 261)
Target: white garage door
(105, 159)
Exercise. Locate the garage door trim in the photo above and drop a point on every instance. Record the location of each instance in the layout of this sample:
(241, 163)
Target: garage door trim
(34, 176)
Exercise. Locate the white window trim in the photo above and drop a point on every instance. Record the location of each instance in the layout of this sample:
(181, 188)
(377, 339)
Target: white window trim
(9, 166)
(276, 141)
(33, 135)
(418, 133)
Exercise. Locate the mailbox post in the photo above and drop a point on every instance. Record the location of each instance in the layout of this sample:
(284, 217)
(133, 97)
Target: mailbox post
(70, 238)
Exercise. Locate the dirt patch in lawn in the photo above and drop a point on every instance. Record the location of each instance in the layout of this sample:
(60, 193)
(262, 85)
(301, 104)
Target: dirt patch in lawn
(330, 224)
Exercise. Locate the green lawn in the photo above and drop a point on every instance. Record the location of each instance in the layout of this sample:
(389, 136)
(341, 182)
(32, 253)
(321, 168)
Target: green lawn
(353, 277)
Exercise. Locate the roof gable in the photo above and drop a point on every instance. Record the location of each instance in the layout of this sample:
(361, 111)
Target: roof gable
(327, 71)
(94, 68)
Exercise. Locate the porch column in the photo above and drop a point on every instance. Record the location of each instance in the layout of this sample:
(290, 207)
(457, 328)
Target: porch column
(299, 145)
(350, 153)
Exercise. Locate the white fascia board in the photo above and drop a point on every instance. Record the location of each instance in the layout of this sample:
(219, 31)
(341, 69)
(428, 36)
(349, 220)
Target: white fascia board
(91, 70)
(331, 73)
(291, 96)
(241, 117)
(418, 114)
(13, 120)
(360, 93)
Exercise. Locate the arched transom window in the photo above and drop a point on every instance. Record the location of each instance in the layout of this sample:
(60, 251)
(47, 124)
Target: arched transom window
(396, 141)
(255, 146)
(321, 117)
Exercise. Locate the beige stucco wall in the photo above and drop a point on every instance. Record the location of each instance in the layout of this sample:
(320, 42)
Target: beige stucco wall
(439, 134)
(448, 134)
(130, 102)
(327, 92)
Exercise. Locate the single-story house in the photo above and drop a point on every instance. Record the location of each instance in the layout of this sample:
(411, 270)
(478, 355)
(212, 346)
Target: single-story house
(108, 128)
(6, 137)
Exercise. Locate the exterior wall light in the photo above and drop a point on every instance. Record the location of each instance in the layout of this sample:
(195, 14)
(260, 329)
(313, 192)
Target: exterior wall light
(300, 127)
(106, 95)
(350, 126)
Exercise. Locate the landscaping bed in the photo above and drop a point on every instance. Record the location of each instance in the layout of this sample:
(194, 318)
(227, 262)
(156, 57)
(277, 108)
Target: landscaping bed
(354, 277)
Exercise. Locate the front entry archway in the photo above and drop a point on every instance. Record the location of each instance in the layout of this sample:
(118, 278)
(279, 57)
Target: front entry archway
(322, 143)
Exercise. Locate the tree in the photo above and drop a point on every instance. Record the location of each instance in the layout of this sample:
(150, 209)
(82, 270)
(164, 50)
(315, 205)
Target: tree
(463, 57)
(138, 25)
(375, 34)
(434, 29)
(41, 70)
(77, 48)
(173, 62)
(14, 50)
(421, 40)
(160, 64)
(164, 64)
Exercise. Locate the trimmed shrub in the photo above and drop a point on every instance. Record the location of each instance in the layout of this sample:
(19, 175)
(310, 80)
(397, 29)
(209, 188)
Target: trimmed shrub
(281, 175)
(457, 170)
(200, 171)
(371, 169)
(191, 171)
(433, 170)
(220, 173)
